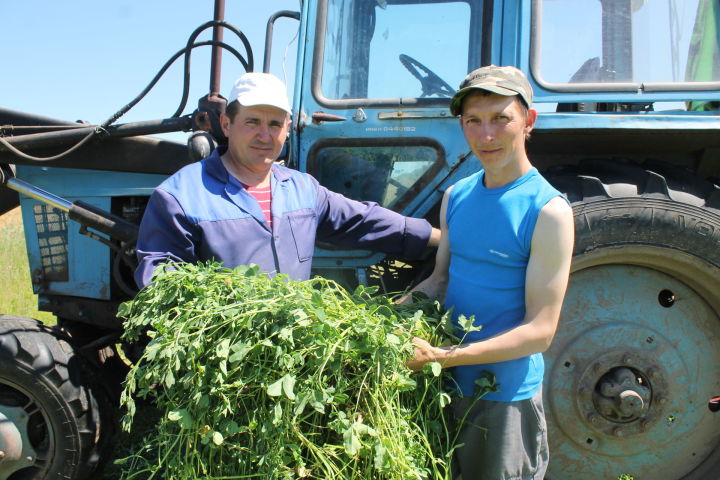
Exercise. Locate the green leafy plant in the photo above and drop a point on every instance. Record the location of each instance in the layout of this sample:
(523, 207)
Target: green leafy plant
(271, 378)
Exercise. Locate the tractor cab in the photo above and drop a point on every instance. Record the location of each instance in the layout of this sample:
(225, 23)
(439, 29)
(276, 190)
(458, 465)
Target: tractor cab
(374, 80)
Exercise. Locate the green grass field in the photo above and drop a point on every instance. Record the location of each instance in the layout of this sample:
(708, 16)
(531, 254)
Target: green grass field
(17, 297)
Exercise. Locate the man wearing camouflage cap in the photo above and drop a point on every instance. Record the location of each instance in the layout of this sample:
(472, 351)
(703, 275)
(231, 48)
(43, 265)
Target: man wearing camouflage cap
(504, 258)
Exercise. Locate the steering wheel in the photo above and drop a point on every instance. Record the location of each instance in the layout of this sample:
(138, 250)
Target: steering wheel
(430, 82)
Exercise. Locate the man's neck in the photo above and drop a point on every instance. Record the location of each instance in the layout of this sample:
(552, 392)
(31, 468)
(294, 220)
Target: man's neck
(244, 175)
(499, 178)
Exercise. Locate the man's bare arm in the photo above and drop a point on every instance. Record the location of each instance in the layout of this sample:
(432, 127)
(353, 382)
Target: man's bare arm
(434, 239)
(435, 285)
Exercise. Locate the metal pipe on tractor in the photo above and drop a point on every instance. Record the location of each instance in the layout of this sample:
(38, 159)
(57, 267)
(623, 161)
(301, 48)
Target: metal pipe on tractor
(82, 212)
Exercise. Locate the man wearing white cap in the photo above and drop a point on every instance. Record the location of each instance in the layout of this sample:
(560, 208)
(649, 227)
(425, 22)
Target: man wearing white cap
(504, 259)
(238, 206)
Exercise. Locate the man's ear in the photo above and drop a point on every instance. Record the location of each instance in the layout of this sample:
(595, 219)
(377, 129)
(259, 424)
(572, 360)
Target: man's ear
(530, 120)
(225, 124)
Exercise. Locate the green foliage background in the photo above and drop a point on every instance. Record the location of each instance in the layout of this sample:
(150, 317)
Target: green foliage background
(17, 297)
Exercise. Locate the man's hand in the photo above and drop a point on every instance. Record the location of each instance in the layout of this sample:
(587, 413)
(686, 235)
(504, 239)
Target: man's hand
(424, 353)
(407, 298)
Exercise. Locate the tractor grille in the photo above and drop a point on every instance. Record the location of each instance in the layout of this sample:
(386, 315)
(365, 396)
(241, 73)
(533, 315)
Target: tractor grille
(51, 226)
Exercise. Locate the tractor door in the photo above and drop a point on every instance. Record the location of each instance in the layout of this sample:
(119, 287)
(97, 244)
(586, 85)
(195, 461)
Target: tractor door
(374, 93)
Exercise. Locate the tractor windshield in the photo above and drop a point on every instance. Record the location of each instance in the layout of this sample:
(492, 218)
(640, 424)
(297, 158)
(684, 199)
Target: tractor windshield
(382, 49)
(660, 44)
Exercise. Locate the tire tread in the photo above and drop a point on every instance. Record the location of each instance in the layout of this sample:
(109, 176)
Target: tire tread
(44, 351)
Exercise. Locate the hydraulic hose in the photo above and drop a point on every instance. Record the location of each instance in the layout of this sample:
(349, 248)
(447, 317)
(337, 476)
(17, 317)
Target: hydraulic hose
(186, 51)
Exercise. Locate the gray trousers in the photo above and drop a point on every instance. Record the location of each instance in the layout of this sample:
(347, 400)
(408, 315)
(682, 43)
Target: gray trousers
(501, 440)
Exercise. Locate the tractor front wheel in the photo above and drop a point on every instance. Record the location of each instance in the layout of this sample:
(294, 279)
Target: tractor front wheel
(50, 422)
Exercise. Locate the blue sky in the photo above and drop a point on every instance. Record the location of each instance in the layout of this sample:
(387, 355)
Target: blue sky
(85, 59)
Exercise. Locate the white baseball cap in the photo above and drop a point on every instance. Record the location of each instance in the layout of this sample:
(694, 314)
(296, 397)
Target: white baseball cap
(256, 88)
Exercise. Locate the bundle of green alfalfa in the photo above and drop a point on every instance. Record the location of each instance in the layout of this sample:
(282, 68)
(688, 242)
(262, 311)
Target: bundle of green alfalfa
(270, 378)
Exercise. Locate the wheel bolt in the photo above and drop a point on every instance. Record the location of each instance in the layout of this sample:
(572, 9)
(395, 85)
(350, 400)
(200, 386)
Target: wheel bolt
(594, 419)
(618, 432)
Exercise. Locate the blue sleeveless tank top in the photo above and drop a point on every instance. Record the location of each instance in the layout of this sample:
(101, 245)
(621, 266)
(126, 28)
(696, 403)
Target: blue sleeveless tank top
(490, 236)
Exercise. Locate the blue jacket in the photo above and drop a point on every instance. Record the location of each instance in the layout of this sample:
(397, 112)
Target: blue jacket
(202, 213)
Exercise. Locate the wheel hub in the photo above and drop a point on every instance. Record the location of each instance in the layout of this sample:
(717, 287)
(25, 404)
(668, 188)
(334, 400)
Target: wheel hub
(622, 395)
(613, 393)
(16, 452)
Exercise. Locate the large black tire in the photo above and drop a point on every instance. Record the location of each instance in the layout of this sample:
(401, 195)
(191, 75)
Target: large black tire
(635, 358)
(48, 394)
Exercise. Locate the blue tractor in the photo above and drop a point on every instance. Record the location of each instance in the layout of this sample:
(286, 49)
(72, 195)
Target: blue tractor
(628, 93)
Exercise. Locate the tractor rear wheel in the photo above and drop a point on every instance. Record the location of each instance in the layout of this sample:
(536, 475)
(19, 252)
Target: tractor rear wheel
(636, 355)
(50, 415)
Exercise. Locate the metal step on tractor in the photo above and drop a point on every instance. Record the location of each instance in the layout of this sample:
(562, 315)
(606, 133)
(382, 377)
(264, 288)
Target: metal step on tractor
(628, 94)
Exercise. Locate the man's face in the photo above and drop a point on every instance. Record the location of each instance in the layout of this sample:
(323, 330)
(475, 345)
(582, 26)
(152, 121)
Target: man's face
(495, 127)
(256, 136)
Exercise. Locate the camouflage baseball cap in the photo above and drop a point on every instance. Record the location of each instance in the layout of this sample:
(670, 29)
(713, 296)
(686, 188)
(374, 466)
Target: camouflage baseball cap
(501, 80)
